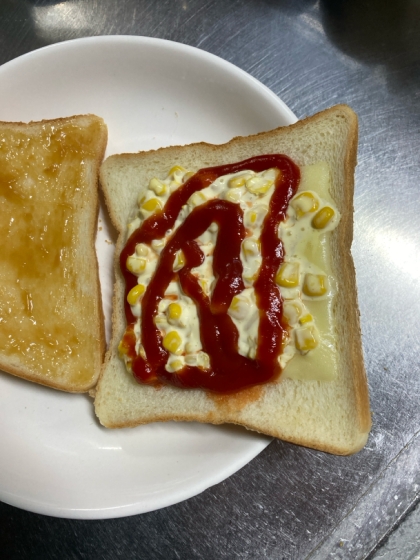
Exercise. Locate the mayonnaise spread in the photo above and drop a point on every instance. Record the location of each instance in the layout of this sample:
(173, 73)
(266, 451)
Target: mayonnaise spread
(304, 279)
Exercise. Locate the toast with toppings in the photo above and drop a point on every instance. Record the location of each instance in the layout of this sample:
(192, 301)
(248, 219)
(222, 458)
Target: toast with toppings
(51, 320)
(162, 364)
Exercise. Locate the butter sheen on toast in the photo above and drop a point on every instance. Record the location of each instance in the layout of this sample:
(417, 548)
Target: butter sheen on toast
(51, 327)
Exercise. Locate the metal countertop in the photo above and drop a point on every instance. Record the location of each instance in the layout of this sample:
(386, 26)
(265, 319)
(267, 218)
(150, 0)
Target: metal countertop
(289, 502)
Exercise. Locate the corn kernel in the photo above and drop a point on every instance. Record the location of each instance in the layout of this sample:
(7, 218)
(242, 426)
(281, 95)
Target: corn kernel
(122, 349)
(134, 294)
(142, 352)
(315, 285)
(172, 342)
(159, 320)
(176, 169)
(306, 319)
(157, 186)
(304, 203)
(203, 360)
(187, 176)
(272, 174)
(173, 186)
(136, 265)
(258, 185)
(196, 199)
(204, 285)
(191, 359)
(255, 217)
(190, 347)
(236, 182)
(142, 250)
(305, 339)
(323, 217)
(179, 261)
(251, 247)
(158, 245)
(152, 205)
(176, 365)
(249, 278)
(174, 311)
(288, 275)
(291, 312)
(232, 195)
(238, 308)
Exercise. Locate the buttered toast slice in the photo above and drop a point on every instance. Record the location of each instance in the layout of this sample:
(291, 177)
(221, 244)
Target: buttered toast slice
(51, 321)
(320, 399)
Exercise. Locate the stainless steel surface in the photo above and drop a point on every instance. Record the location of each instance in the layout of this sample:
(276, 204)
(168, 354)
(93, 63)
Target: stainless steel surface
(289, 502)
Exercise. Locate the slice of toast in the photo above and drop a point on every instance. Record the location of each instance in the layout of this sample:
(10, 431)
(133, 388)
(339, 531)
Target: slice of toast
(332, 416)
(51, 320)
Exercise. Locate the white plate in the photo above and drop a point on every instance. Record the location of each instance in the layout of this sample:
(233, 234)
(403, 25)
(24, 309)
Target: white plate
(55, 458)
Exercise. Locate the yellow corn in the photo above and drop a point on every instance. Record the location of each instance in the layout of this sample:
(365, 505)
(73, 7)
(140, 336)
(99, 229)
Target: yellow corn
(176, 169)
(134, 294)
(141, 250)
(288, 275)
(122, 349)
(304, 203)
(291, 312)
(179, 261)
(305, 339)
(232, 195)
(235, 303)
(196, 199)
(157, 186)
(190, 347)
(176, 365)
(258, 185)
(236, 182)
(172, 342)
(152, 205)
(323, 217)
(203, 360)
(191, 359)
(315, 285)
(142, 352)
(251, 247)
(204, 285)
(239, 307)
(136, 265)
(187, 176)
(157, 245)
(252, 353)
(306, 319)
(250, 278)
(174, 311)
(159, 320)
(255, 217)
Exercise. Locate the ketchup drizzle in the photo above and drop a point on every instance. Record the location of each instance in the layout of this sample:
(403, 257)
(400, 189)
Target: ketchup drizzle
(229, 371)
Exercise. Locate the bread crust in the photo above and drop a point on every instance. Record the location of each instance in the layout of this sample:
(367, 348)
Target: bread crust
(14, 366)
(114, 397)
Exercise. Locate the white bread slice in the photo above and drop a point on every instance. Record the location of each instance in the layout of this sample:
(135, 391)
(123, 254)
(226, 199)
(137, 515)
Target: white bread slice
(51, 327)
(331, 416)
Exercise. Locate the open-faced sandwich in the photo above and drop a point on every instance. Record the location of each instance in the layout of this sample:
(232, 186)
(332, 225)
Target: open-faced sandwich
(235, 297)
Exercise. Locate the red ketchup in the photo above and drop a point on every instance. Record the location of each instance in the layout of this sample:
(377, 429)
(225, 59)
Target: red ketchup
(229, 371)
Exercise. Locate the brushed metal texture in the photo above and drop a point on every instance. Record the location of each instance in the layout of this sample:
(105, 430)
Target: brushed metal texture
(290, 502)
